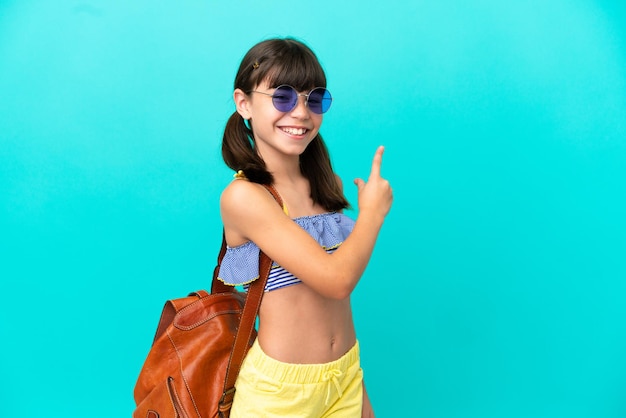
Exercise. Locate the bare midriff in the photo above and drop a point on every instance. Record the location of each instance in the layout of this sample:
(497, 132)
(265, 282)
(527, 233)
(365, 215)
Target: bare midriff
(298, 325)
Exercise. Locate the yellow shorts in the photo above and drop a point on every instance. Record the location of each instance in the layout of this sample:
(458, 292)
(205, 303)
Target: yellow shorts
(270, 388)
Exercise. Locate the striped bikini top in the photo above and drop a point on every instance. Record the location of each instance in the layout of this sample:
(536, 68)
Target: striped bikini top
(240, 265)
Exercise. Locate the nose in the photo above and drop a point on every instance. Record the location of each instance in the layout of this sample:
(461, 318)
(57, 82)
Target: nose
(301, 110)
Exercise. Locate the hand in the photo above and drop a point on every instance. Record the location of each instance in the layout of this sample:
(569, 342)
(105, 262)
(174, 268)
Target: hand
(375, 195)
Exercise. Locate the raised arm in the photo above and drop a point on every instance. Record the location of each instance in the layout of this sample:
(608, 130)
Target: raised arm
(250, 213)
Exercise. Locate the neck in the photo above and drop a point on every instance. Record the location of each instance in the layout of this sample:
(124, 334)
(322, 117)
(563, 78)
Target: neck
(284, 169)
(286, 174)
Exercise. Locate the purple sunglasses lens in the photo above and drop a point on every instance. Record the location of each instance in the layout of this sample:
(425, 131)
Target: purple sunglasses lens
(284, 98)
(319, 100)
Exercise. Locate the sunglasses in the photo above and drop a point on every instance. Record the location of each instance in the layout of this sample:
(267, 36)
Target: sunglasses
(285, 99)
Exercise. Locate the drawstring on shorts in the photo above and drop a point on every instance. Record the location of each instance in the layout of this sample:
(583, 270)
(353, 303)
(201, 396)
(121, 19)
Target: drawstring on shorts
(332, 377)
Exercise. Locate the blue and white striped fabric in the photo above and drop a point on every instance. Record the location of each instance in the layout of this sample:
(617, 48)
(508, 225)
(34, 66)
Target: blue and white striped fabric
(240, 265)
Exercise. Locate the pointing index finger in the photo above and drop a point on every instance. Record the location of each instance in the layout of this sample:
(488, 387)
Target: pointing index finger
(377, 162)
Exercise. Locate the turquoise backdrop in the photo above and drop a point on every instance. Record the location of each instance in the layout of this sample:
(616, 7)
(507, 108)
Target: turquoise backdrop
(498, 285)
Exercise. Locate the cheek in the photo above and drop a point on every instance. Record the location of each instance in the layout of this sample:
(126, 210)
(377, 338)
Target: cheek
(266, 118)
(317, 121)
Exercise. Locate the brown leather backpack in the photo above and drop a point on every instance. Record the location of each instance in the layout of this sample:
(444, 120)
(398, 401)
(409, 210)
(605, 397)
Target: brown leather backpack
(198, 349)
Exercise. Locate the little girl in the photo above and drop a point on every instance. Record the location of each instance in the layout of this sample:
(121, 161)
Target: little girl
(305, 360)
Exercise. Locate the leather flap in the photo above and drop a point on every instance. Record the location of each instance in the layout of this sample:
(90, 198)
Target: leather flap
(207, 308)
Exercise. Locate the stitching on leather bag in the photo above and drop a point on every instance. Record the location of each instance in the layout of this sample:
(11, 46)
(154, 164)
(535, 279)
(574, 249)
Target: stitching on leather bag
(192, 305)
(193, 401)
(172, 392)
(208, 318)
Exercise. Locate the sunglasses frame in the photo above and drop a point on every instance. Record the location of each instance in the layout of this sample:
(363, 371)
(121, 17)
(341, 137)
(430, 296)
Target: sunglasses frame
(306, 96)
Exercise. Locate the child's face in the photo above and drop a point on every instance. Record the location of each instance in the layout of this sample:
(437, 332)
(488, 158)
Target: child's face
(283, 132)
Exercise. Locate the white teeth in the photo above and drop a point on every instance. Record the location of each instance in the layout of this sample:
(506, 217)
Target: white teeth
(295, 131)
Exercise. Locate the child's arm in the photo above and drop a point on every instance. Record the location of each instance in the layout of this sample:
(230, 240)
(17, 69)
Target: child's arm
(250, 213)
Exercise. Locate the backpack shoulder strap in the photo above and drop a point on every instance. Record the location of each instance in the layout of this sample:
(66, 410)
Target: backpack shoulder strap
(248, 317)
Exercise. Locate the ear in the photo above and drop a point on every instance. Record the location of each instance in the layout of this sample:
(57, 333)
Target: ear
(241, 103)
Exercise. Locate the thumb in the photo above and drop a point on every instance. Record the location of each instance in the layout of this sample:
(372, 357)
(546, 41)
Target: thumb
(359, 183)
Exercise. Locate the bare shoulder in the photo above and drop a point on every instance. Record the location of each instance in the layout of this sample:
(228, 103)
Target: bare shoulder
(242, 196)
(245, 206)
(238, 192)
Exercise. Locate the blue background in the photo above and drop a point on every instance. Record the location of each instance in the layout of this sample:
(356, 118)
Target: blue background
(497, 288)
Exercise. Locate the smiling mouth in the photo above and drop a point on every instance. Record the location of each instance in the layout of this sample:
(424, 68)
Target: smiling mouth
(295, 131)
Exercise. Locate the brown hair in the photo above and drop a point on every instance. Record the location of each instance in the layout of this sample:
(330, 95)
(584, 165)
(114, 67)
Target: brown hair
(281, 61)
